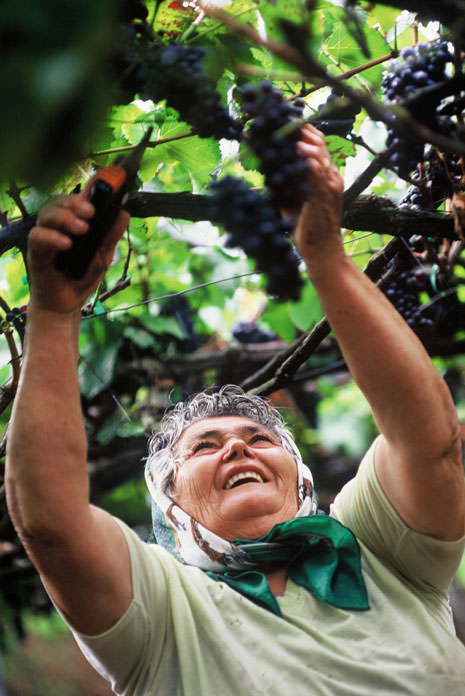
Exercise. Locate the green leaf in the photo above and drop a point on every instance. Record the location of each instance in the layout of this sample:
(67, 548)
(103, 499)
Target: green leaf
(163, 325)
(346, 54)
(276, 317)
(308, 311)
(173, 17)
(249, 159)
(141, 338)
(244, 11)
(384, 17)
(123, 115)
(340, 149)
(100, 340)
(224, 54)
(12, 269)
(273, 13)
(184, 164)
(362, 246)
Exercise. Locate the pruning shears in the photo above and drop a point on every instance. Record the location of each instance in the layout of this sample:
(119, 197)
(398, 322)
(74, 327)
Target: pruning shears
(109, 193)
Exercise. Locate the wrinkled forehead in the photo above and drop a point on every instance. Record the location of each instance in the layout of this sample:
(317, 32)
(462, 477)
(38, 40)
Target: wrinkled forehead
(220, 426)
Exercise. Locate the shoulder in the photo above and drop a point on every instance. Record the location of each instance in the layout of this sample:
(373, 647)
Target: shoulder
(154, 568)
(363, 507)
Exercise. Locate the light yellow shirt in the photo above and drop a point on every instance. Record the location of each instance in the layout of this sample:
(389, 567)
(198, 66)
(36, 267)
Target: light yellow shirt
(185, 634)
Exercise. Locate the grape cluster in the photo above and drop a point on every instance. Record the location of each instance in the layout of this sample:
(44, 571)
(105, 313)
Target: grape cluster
(284, 167)
(178, 308)
(336, 118)
(143, 65)
(438, 177)
(249, 332)
(416, 198)
(403, 292)
(418, 67)
(174, 72)
(17, 318)
(253, 225)
(125, 62)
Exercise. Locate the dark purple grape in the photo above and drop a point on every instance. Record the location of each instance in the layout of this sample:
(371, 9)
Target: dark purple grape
(338, 119)
(418, 67)
(284, 167)
(404, 293)
(249, 332)
(174, 72)
(253, 224)
(439, 176)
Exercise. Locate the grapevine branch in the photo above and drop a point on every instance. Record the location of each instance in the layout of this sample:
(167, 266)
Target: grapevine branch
(371, 213)
(280, 371)
(7, 393)
(181, 365)
(364, 179)
(121, 284)
(396, 117)
(14, 192)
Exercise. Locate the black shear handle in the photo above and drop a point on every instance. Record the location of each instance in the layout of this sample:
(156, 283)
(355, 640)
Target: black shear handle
(75, 261)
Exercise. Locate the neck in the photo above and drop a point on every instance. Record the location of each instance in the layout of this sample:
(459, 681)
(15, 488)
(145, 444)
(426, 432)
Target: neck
(277, 581)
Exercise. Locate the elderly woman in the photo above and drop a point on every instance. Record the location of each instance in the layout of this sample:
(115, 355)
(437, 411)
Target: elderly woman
(247, 588)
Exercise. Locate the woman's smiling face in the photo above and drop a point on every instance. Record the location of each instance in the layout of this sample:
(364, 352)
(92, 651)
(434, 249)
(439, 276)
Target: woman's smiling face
(235, 478)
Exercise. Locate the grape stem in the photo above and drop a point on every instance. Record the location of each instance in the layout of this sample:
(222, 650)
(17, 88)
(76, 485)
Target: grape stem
(120, 284)
(354, 71)
(128, 148)
(396, 117)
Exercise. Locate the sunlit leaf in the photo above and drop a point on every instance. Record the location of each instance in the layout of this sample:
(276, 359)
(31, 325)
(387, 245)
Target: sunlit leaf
(98, 355)
(308, 311)
(276, 317)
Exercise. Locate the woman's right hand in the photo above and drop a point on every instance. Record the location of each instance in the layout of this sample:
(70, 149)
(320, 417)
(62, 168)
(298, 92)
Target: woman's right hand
(59, 221)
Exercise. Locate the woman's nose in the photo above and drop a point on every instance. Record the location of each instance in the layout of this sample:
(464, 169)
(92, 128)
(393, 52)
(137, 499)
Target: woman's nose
(235, 447)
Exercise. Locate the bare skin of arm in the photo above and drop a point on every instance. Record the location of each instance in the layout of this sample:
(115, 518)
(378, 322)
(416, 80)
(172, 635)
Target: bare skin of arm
(78, 549)
(418, 457)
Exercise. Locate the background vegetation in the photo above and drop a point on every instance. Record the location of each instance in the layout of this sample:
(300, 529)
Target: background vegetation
(180, 310)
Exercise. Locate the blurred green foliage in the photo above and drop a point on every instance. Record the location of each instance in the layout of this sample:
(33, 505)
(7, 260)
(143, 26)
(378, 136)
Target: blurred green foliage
(54, 83)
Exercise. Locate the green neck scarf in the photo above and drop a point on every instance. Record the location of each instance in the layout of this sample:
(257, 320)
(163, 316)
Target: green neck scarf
(318, 553)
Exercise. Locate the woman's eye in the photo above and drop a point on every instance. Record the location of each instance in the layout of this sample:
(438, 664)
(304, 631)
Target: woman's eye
(202, 445)
(258, 438)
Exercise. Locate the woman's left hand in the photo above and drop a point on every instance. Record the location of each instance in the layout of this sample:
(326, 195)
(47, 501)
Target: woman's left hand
(317, 232)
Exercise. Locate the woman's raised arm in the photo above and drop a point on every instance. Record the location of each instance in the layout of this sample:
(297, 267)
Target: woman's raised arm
(418, 459)
(78, 549)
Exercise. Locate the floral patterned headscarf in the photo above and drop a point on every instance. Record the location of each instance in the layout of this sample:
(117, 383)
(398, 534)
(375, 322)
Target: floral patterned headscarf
(191, 543)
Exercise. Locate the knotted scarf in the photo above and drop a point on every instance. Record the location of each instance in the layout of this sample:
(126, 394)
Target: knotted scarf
(316, 550)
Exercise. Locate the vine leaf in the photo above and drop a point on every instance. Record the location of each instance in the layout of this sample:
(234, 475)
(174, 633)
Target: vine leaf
(307, 312)
(340, 149)
(174, 17)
